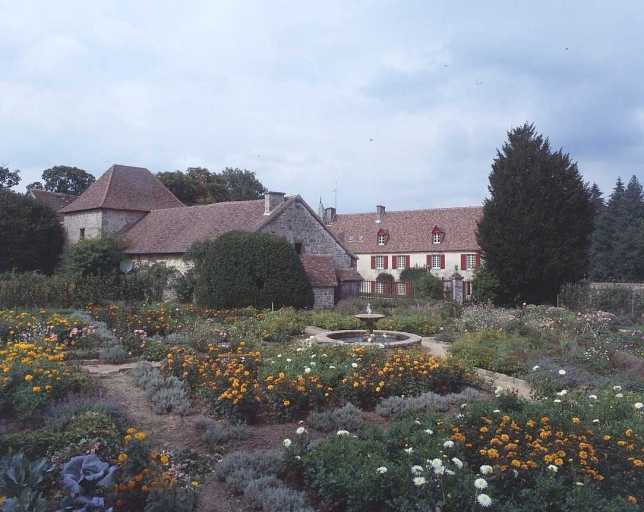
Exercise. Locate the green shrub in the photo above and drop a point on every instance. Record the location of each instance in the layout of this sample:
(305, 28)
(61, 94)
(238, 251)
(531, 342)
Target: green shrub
(155, 279)
(282, 324)
(415, 323)
(348, 417)
(424, 283)
(332, 320)
(115, 354)
(184, 286)
(492, 350)
(249, 269)
(485, 286)
(93, 257)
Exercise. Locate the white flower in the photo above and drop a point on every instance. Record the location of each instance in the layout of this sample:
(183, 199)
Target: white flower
(440, 470)
(449, 472)
(419, 481)
(307, 370)
(354, 365)
(279, 355)
(417, 422)
(313, 363)
(557, 401)
(580, 484)
(553, 468)
(617, 388)
(436, 463)
(535, 367)
(409, 450)
(480, 484)
(592, 397)
(382, 470)
(619, 395)
(457, 462)
(299, 349)
(595, 420)
(486, 470)
(563, 392)
(324, 355)
(417, 470)
(288, 359)
(331, 367)
(484, 500)
(562, 372)
(463, 406)
(448, 444)
(300, 431)
(497, 411)
(638, 405)
(429, 431)
(342, 433)
(286, 442)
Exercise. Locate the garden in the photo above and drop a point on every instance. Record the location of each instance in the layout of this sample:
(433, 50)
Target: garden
(169, 406)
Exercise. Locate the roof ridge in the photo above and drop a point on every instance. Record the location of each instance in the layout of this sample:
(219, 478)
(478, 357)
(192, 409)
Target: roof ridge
(110, 171)
(416, 210)
(208, 205)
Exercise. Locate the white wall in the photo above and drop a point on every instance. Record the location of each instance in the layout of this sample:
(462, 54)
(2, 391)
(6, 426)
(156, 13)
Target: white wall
(91, 221)
(452, 259)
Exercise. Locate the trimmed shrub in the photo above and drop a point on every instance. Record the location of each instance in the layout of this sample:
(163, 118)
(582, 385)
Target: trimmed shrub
(249, 269)
(424, 283)
(97, 257)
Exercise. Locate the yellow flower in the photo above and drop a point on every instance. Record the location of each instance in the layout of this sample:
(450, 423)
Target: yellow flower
(29, 378)
(195, 483)
(122, 457)
(36, 389)
(131, 430)
(286, 403)
(139, 436)
(164, 459)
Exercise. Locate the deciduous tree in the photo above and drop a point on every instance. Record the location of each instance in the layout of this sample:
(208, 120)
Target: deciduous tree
(67, 180)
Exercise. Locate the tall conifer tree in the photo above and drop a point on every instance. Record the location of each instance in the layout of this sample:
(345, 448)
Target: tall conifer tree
(537, 223)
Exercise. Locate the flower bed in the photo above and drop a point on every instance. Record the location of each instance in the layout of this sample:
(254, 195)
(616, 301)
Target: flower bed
(287, 384)
(577, 455)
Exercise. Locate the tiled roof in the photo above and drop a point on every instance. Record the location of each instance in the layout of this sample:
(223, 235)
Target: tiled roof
(173, 230)
(347, 274)
(54, 200)
(410, 230)
(125, 188)
(320, 270)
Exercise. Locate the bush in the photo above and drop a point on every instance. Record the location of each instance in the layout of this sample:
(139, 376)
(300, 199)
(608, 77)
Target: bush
(492, 350)
(223, 432)
(424, 403)
(184, 286)
(93, 257)
(416, 323)
(249, 269)
(424, 283)
(32, 237)
(485, 286)
(115, 354)
(155, 279)
(167, 394)
(332, 320)
(281, 325)
(348, 417)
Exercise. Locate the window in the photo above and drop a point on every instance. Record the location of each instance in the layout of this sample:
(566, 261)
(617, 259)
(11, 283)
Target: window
(470, 261)
(380, 262)
(401, 261)
(382, 239)
(467, 288)
(436, 261)
(436, 238)
(380, 287)
(402, 288)
(81, 236)
(298, 247)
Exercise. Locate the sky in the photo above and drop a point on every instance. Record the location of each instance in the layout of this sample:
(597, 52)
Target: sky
(400, 103)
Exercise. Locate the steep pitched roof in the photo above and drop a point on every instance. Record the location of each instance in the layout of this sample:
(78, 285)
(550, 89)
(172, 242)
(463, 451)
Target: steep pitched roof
(125, 188)
(54, 200)
(173, 230)
(410, 230)
(320, 270)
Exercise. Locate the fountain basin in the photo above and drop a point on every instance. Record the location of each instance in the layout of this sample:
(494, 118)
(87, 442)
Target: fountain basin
(390, 339)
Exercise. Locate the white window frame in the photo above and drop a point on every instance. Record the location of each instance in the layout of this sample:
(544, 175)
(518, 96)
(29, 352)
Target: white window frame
(436, 238)
(402, 288)
(380, 262)
(436, 258)
(401, 261)
(470, 261)
(380, 287)
(382, 239)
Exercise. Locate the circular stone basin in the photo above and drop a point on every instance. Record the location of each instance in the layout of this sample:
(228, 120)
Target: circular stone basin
(390, 339)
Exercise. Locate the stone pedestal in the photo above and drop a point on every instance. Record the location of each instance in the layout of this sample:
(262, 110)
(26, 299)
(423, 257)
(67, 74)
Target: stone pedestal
(457, 288)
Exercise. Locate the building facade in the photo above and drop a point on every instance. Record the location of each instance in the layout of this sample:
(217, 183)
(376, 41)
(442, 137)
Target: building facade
(131, 203)
(441, 240)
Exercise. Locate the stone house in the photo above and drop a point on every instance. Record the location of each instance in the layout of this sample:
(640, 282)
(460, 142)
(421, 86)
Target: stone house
(130, 202)
(442, 240)
(54, 200)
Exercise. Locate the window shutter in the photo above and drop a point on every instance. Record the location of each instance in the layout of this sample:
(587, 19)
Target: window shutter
(477, 262)
(386, 262)
(428, 263)
(394, 262)
(442, 261)
(407, 261)
(373, 262)
(463, 262)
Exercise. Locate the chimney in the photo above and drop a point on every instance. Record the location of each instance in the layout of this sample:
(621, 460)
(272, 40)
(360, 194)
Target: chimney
(380, 211)
(272, 200)
(329, 215)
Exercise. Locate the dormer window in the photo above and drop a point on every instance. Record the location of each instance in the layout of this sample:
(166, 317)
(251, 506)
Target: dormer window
(382, 237)
(437, 235)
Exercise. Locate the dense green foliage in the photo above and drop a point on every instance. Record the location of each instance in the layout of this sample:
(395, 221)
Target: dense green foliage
(198, 185)
(618, 239)
(424, 283)
(8, 178)
(485, 286)
(93, 257)
(66, 180)
(32, 237)
(535, 231)
(249, 269)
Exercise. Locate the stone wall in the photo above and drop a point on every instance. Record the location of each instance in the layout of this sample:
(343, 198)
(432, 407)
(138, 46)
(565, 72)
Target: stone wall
(323, 297)
(115, 220)
(91, 222)
(174, 261)
(297, 225)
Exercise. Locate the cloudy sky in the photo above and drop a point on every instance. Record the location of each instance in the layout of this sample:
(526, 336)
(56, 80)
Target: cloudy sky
(396, 102)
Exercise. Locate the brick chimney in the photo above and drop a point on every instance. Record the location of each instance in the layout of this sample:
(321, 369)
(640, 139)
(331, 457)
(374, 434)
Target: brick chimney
(329, 215)
(272, 200)
(380, 213)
